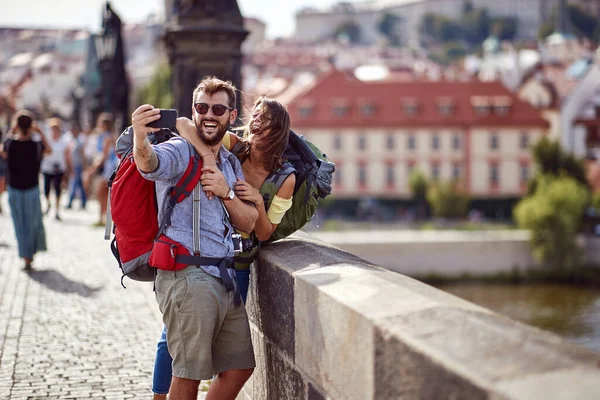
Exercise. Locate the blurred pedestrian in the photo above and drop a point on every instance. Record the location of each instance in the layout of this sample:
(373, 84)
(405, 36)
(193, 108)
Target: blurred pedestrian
(90, 152)
(76, 163)
(54, 165)
(23, 154)
(105, 161)
(2, 174)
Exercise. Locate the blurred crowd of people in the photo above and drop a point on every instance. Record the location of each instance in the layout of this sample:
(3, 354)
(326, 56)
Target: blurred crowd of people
(64, 158)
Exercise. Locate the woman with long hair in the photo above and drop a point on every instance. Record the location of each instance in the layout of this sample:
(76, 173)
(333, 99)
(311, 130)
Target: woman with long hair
(23, 153)
(260, 150)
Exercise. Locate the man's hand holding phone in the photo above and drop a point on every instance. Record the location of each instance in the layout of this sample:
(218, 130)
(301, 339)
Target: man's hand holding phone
(140, 119)
(147, 119)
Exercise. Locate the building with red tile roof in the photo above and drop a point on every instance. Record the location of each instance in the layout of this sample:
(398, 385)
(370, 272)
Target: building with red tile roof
(478, 133)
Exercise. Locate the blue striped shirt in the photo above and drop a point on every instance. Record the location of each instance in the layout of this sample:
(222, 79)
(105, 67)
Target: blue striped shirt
(215, 227)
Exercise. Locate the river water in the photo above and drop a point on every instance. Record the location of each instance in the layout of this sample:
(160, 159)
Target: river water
(569, 311)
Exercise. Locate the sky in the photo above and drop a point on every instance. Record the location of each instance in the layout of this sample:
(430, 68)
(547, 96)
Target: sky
(277, 14)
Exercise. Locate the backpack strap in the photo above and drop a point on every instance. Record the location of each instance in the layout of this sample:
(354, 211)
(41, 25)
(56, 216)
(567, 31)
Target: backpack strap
(237, 147)
(277, 178)
(183, 189)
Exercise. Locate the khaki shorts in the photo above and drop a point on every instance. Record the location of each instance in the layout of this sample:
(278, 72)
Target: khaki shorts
(206, 333)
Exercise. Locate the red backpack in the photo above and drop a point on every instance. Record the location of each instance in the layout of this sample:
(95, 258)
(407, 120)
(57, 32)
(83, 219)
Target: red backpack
(134, 207)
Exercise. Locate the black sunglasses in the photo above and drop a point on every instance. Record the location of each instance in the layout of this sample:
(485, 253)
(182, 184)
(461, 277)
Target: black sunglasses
(217, 109)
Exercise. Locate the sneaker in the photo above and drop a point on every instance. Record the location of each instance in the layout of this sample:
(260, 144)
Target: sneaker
(69, 207)
(58, 217)
(27, 266)
(47, 210)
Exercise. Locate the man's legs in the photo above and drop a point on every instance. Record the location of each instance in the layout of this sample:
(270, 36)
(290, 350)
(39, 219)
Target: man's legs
(184, 389)
(192, 308)
(233, 357)
(228, 384)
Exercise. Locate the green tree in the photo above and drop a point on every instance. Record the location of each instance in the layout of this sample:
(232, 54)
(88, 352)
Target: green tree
(454, 50)
(447, 200)
(553, 216)
(546, 29)
(418, 187)
(451, 52)
(475, 26)
(388, 26)
(438, 28)
(158, 91)
(583, 23)
(428, 24)
(550, 158)
(505, 28)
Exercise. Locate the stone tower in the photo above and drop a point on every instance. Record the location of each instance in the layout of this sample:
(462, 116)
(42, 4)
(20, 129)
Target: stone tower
(202, 37)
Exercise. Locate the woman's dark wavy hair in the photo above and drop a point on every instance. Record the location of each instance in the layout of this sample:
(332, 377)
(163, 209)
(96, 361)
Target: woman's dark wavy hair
(272, 146)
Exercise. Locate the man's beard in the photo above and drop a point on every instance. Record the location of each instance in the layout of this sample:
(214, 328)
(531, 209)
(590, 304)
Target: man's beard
(216, 137)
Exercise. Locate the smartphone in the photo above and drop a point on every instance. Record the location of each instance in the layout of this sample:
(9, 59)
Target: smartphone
(168, 119)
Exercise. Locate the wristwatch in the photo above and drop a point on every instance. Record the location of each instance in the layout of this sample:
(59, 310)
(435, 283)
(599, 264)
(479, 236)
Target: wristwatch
(230, 194)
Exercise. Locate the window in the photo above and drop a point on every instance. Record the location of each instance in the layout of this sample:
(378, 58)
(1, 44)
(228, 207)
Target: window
(456, 141)
(362, 175)
(494, 174)
(390, 175)
(482, 110)
(502, 105)
(524, 173)
(362, 142)
(494, 141)
(435, 141)
(445, 109)
(337, 141)
(410, 108)
(305, 111)
(524, 141)
(390, 141)
(502, 110)
(456, 172)
(435, 172)
(412, 143)
(367, 109)
(340, 110)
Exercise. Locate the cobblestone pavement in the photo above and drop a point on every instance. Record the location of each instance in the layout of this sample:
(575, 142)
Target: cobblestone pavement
(68, 330)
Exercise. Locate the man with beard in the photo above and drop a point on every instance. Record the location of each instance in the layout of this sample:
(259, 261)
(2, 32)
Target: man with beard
(207, 326)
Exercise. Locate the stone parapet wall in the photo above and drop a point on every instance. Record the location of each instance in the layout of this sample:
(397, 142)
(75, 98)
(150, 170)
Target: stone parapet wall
(328, 325)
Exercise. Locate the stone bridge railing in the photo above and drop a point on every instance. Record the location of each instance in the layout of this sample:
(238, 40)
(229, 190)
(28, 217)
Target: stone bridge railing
(328, 325)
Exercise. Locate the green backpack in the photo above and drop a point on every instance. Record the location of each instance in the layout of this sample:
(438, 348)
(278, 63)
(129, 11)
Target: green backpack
(314, 173)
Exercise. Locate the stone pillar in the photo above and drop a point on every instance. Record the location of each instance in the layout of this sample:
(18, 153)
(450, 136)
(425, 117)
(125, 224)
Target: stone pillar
(202, 38)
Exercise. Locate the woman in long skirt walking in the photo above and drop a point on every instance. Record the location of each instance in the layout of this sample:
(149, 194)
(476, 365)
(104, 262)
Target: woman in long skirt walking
(23, 152)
